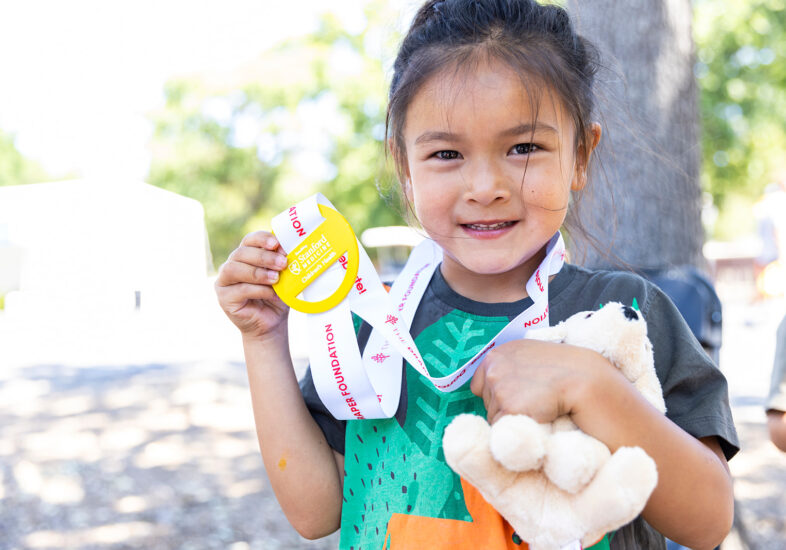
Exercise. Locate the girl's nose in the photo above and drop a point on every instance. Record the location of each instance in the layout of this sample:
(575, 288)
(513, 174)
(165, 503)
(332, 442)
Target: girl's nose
(486, 184)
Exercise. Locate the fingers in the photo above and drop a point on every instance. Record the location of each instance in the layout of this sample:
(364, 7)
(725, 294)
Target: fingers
(238, 294)
(233, 272)
(258, 257)
(260, 239)
(483, 388)
(509, 385)
(491, 396)
(478, 380)
(243, 285)
(493, 414)
(256, 261)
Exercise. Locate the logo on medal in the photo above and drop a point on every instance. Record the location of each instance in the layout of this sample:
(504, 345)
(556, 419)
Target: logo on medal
(324, 246)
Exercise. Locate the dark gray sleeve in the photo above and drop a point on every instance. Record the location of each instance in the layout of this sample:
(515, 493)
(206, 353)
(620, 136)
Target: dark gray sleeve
(695, 390)
(333, 429)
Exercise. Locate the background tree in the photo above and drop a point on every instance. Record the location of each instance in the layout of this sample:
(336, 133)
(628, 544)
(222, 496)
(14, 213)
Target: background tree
(307, 116)
(743, 104)
(650, 149)
(15, 168)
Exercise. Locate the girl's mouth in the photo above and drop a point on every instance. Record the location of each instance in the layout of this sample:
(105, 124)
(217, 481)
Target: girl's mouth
(489, 230)
(487, 226)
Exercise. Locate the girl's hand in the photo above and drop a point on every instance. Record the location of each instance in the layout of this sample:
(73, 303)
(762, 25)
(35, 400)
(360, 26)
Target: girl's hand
(540, 379)
(244, 287)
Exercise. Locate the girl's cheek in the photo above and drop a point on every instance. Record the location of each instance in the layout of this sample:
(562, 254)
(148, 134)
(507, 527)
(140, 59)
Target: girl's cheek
(548, 193)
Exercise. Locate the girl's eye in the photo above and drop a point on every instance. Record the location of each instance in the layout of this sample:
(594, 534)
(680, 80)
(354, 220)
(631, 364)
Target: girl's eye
(524, 148)
(447, 155)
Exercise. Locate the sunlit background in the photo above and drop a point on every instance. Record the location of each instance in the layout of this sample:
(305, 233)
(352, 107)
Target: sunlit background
(81, 80)
(140, 141)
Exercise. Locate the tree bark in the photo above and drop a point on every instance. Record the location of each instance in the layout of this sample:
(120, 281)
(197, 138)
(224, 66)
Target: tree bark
(649, 155)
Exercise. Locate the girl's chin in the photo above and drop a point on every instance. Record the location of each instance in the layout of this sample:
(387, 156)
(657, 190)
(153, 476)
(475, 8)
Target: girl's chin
(490, 267)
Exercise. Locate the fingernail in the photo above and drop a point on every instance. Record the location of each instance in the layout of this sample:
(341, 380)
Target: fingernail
(272, 276)
(281, 261)
(272, 243)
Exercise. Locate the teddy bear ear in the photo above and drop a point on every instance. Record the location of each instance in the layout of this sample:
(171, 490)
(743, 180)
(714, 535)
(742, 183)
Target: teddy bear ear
(630, 313)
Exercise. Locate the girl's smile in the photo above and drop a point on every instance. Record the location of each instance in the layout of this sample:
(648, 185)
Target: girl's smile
(489, 172)
(488, 230)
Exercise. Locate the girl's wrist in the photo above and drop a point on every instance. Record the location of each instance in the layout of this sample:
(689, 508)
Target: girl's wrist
(601, 397)
(276, 338)
(595, 381)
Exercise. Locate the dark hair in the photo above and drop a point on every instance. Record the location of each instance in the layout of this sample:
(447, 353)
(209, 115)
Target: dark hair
(537, 41)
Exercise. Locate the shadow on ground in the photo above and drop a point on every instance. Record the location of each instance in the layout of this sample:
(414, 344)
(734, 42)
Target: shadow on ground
(148, 456)
(759, 480)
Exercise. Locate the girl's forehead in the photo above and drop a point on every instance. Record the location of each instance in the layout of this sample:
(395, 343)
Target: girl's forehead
(481, 91)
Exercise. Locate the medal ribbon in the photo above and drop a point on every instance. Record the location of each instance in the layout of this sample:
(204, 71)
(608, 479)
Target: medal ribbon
(369, 386)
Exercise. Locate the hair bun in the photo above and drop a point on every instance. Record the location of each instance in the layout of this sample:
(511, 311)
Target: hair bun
(428, 10)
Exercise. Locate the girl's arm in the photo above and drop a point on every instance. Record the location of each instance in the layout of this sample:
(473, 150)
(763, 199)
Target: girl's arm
(776, 422)
(304, 471)
(302, 468)
(692, 503)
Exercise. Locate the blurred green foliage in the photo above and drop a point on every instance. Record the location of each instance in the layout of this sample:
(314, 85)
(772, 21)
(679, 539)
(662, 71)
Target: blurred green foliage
(742, 77)
(309, 116)
(306, 116)
(15, 169)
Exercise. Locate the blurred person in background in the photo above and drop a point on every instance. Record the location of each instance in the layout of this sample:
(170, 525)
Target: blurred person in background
(776, 402)
(769, 265)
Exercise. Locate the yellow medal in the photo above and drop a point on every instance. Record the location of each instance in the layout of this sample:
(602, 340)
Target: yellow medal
(332, 239)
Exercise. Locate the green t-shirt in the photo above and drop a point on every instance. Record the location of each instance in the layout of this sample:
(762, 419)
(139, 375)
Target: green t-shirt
(398, 490)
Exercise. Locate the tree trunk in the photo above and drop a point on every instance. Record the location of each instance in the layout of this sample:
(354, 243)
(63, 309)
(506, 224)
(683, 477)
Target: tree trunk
(650, 151)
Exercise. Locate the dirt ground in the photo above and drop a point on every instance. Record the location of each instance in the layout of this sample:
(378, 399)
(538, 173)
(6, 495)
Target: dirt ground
(144, 456)
(760, 491)
(759, 470)
(162, 455)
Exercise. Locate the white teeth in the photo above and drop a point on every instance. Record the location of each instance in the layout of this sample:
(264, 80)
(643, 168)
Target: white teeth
(483, 227)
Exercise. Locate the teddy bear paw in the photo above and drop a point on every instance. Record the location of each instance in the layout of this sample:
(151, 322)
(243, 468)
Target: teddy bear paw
(573, 458)
(518, 442)
(463, 435)
(619, 491)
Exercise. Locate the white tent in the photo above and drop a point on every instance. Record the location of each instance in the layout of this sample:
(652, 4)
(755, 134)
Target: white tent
(94, 247)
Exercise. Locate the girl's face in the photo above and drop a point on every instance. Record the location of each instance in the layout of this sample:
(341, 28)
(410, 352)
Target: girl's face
(489, 172)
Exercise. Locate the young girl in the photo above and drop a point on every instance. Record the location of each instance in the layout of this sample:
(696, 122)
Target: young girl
(489, 124)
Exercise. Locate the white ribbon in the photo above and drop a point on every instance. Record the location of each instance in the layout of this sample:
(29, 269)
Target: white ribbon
(358, 387)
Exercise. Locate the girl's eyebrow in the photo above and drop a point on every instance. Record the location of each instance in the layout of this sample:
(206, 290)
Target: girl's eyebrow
(529, 128)
(524, 128)
(427, 137)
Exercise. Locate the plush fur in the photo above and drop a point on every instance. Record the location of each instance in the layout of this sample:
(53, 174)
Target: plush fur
(552, 482)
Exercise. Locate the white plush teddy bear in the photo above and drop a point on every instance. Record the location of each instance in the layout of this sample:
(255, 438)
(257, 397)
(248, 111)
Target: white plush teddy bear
(553, 483)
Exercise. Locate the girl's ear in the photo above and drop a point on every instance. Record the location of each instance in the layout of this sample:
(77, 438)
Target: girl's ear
(583, 158)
